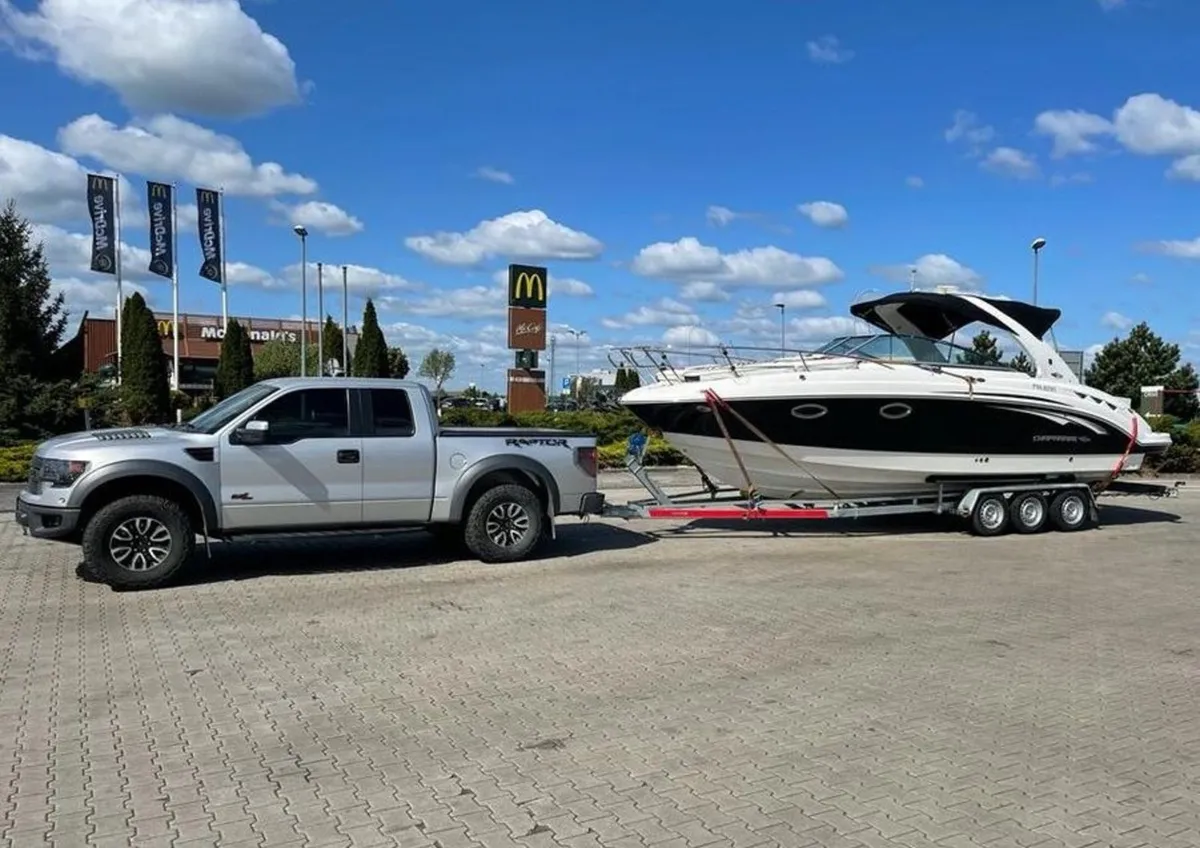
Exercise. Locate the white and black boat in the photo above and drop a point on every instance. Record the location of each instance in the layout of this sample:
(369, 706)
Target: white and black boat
(905, 411)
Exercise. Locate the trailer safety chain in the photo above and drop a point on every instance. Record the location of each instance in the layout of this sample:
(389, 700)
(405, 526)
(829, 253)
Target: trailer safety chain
(717, 403)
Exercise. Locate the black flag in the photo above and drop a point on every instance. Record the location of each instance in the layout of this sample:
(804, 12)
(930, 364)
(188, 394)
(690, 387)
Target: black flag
(160, 201)
(208, 204)
(102, 206)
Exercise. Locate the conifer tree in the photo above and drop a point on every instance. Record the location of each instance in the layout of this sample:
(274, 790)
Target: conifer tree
(371, 353)
(145, 389)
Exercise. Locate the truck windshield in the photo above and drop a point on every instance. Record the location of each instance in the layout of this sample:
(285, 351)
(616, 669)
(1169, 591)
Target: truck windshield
(211, 420)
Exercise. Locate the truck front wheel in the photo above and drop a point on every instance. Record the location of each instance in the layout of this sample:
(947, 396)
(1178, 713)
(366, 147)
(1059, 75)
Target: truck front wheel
(138, 542)
(505, 524)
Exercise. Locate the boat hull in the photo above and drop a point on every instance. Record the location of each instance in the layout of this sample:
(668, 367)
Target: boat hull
(824, 472)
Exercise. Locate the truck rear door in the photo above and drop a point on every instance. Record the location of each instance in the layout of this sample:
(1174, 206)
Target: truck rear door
(399, 455)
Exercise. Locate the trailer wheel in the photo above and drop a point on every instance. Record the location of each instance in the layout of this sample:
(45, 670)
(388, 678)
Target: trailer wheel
(505, 524)
(1069, 511)
(1028, 513)
(990, 517)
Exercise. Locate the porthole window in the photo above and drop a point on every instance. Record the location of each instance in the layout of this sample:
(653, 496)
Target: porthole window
(808, 411)
(703, 408)
(895, 411)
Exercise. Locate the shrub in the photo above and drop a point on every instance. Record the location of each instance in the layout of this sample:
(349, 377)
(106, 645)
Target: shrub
(14, 462)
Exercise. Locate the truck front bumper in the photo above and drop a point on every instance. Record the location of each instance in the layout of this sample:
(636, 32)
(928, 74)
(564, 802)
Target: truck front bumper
(46, 522)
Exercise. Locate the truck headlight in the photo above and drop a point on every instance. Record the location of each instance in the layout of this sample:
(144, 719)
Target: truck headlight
(62, 473)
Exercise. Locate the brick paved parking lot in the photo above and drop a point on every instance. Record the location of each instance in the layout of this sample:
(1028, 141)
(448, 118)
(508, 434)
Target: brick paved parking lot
(903, 685)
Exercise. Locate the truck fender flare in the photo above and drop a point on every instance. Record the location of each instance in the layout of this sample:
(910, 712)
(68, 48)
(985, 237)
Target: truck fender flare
(503, 463)
(89, 483)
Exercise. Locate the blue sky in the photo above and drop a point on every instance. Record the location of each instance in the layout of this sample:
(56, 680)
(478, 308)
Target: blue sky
(675, 165)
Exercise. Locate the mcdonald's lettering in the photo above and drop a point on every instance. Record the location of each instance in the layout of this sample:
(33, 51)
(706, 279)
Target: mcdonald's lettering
(101, 198)
(527, 286)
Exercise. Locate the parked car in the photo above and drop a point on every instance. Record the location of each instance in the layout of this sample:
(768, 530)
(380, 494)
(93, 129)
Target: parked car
(303, 455)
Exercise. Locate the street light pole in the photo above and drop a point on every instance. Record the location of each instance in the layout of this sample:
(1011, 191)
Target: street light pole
(320, 319)
(782, 307)
(578, 377)
(1038, 244)
(345, 326)
(303, 234)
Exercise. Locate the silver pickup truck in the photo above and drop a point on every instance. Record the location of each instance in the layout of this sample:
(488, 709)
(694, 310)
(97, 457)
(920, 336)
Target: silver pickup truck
(302, 456)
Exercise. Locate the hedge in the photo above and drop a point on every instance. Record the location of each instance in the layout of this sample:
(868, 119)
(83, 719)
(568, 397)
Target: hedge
(14, 462)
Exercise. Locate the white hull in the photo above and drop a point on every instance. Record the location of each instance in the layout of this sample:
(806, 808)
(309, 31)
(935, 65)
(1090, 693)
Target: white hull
(865, 474)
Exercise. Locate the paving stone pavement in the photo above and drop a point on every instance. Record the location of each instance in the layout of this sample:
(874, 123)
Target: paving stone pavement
(900, 685)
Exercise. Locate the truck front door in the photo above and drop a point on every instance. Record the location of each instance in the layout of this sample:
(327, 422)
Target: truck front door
(308, 474)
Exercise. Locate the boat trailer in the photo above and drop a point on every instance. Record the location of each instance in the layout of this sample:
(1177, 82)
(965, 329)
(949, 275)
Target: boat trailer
(991, 507)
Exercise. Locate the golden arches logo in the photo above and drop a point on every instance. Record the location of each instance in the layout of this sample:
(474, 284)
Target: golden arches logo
(207, 195)
(530, 281)
(160, 190)
(100, 183)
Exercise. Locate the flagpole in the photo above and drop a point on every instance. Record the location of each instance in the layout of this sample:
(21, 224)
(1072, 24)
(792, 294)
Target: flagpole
(224, 274)
(321, 319)
(175, 289)
(117, 253)
(345, 327)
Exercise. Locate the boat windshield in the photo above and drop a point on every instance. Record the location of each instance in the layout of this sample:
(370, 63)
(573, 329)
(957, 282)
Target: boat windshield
(901, 348)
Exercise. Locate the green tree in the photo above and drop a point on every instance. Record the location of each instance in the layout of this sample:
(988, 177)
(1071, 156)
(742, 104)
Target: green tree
(332, 345)
(235, 368)
(32, 318)
(1021, 362)
(984, 351)
(279, 358)
(371, 354)
(398, 363)
(438, 366)
(145, 389)
(1143, 358)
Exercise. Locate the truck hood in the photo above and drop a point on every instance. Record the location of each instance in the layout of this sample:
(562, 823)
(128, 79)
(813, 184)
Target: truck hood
(91, 440)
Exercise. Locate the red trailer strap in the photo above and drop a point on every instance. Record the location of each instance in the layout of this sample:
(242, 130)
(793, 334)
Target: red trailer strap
(737, 512)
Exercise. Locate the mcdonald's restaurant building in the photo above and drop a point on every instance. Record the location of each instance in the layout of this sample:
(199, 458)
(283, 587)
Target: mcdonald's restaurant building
(199, 343)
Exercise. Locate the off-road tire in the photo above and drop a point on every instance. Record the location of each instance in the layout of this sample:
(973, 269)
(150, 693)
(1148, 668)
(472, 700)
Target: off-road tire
(98, 541)
(485, 522)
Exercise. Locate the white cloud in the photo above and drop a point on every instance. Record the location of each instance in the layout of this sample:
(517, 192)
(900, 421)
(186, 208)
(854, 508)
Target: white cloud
(719, 216)
(933, 269)
(320, 216)
(69, 255)
(966, 127)
(187, 216)
(828, 50)
(466, 303)
(97, 297)
(799, 299)
(690, 336)
(362, 280)
(1071, 130)
(1140, 278)
(169, 147)
(520, 235)
(207, 57)
(817, 329)
(494, 175)
(1178, 248)
(687, 260)
(51, 187)
(824, 213)
(914, 182)
(665, 313)
(245, 274)
(1153, 125)
(704, 292)
(1187, 168)
(560, 286)
(1010, 162)
(1116, 321)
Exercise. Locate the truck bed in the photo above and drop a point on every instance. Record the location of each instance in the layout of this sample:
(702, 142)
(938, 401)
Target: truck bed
(512, 433)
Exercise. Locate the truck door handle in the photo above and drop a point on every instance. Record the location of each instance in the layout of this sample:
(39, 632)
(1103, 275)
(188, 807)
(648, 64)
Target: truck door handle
(347, 457)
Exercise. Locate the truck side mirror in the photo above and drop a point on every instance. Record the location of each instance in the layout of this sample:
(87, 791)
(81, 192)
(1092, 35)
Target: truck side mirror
(252, 433)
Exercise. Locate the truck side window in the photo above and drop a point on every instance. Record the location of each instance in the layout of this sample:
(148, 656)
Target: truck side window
(391, 412)
(308, 414)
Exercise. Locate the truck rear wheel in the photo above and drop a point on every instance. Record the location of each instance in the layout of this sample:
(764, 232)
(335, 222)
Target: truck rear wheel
(138, 542)
(505, 524)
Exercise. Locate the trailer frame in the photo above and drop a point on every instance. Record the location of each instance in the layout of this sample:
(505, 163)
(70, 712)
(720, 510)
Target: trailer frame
(992, 507)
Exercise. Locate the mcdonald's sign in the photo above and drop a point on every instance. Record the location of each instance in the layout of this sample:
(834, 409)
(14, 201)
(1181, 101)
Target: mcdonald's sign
(527, 286)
